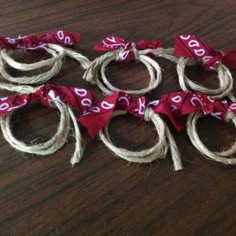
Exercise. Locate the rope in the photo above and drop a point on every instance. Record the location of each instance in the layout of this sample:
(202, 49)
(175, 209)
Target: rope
(224, 77)
(55, 63)
(56, 142)
(99, 65)
(222, 157)
(157, 151)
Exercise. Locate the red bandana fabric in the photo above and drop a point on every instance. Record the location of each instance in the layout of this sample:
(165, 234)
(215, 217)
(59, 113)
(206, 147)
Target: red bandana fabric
(112, 43)
(75, 97)
(192, 47)
(39, 43)
(176, 106)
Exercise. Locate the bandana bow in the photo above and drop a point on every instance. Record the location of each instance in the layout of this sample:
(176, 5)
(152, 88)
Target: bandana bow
(176, 106)
(75, 97)
(192, 47)
(112, 43)
(39, 43)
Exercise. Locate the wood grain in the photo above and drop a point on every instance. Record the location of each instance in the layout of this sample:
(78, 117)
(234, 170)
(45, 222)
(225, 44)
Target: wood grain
(104, 195)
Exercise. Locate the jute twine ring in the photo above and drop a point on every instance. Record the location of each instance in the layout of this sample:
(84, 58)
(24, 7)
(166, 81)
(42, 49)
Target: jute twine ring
(224, 76)
(99, 65)
(55, 142)
(157, 151)
(167, 53)
(18, 88)
(224, 156)
(55, 62)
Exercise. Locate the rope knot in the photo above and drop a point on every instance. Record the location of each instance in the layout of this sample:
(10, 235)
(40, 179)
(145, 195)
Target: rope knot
(134, 50)
(129, 53)
(148, 114)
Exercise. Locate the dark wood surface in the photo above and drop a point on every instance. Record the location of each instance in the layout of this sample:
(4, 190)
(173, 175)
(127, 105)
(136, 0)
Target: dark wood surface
(105, 195)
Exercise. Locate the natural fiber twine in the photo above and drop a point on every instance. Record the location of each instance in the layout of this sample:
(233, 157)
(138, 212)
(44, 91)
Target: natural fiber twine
(224, 156)
(99, 65)
(95, 73)
(224, 76)
(158, 151)
(18, 88)
(55, 63)
(56, 142)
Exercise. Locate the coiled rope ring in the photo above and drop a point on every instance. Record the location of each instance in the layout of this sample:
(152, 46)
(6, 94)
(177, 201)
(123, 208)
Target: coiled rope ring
(224, 77)
(157, 151)
(55, 62)
(223, 156)
(54, 143)
(100, 64)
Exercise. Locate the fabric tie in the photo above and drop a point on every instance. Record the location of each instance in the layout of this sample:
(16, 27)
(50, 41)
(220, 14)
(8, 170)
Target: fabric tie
(192, 47)
(112, 43)
(39, 43)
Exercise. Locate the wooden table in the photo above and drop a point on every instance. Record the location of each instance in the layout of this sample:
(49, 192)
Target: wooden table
(104, 195)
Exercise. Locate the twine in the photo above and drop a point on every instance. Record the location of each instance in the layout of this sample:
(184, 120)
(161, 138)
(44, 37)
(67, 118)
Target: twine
(56, 142)
(157, 151)
(222, 157)
(83, 60)
(167, 53)
(224, 77)
(18, 88)
(79, 144)
(99, 65)
(55, 63)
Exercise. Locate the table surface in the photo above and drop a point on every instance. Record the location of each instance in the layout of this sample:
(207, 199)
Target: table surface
(104, 195)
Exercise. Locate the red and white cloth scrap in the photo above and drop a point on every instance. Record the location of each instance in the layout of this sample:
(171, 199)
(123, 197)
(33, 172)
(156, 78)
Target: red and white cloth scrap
(74, 97)
(112, 43)
(34, 42)
(176, 106)
(192, 47)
